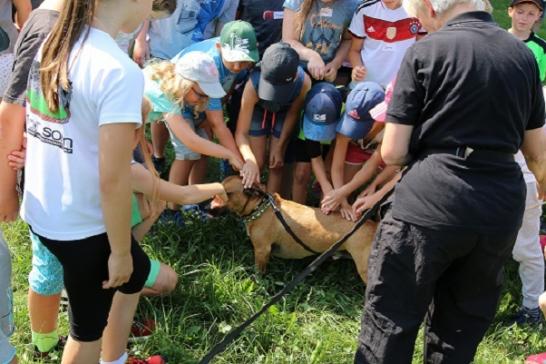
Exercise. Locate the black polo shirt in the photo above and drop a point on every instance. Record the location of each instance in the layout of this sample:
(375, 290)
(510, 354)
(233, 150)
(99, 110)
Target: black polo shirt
(469, 84)
(266, 18)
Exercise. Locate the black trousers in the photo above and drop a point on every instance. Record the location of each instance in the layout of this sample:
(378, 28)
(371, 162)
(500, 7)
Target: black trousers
(450, 279)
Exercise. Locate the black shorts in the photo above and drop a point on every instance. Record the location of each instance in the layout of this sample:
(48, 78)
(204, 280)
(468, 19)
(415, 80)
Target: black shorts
(85, 264)
(297, 152)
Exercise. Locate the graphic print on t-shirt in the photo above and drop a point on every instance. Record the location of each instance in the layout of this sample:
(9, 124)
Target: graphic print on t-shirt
(39, 115)
(391, 31)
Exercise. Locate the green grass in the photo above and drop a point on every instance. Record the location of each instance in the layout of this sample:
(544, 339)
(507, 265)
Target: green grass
(218, 289)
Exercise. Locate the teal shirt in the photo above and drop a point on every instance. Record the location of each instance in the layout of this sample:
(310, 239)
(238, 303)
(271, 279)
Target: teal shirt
(537, 45)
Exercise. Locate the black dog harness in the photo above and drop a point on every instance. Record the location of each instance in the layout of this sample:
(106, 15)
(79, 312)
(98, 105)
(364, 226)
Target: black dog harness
(266, 202)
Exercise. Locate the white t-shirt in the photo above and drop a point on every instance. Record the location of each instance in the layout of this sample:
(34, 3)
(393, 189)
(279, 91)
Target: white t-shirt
(388, 34)
(62, 197)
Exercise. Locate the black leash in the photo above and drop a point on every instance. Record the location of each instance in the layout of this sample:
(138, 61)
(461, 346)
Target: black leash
(287, 227)
(235, 333)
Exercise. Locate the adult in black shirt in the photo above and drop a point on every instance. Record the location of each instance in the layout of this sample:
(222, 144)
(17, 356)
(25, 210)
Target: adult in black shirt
(266, 18)
(467, 98)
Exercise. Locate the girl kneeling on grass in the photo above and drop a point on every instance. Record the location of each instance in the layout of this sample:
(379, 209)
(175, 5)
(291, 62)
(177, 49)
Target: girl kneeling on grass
(178, 93)
(270, 107)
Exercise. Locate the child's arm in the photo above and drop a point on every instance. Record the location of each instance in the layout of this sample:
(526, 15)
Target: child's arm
(315, 63)
(276, 155)
(366, 202)
(12, 124)
(23, 9)
(143, 181)
(313, 150)
(141, 49)
(338, 160)
(182, 130)
(368, 170)
(359, 70)
(115, 152)
(341, 55)
(251, 168)
(140, 230)
(219, 128)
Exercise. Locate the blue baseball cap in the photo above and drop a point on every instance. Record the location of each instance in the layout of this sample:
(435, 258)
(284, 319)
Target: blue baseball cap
(322, 112)
(357, 121)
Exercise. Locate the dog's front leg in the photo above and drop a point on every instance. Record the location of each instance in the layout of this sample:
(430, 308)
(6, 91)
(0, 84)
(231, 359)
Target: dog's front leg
(261, 255)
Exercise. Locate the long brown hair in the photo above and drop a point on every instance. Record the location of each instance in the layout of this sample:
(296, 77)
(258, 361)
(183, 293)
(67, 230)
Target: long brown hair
(74, 17)
(301, 16)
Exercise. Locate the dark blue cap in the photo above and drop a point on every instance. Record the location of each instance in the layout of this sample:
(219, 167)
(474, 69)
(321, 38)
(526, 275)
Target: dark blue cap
(322, 112)
(357, 121)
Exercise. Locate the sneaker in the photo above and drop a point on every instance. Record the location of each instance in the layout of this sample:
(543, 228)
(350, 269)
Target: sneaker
(169, 216)
(159, 164)
(141, 330)
(536, 359)
(52, 356)
(528, 316)
(195, 211)
(154, 359)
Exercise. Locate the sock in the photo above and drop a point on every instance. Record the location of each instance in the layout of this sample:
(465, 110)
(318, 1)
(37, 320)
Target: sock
(45, 342)
(121, 360)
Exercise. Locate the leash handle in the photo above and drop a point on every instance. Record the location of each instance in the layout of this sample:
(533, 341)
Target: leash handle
(235, 333)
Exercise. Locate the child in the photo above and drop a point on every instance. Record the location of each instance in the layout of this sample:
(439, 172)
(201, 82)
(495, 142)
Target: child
(322, 114)
(177, 93)
(527, 252)
(317, 29)
(88, 94)
(233, 52)
(270, 106)
(524, 14)
(355, 159)
(382, 32)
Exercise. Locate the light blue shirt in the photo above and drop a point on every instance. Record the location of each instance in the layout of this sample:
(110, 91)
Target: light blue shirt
(325, 25)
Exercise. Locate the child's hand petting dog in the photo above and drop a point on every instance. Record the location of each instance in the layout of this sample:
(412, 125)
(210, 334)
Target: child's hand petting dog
(250, 174)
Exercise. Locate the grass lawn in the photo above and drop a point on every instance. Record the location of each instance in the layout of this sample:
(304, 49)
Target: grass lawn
(218, 289)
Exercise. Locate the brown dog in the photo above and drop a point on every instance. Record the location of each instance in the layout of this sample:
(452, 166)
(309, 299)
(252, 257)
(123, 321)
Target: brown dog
(317, 230)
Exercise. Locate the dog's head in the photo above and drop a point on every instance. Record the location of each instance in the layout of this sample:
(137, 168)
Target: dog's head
(240, 200)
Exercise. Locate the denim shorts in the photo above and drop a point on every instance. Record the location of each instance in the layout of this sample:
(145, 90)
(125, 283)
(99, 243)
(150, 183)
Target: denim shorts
(46, 276)
(181, 151)
(266, 123)
(7, 351)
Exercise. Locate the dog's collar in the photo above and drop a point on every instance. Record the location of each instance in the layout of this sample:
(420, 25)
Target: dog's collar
(257, 212)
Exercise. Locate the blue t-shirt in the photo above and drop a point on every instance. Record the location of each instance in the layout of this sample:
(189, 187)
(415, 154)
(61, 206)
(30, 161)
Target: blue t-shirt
(325, 25)
(187, 25)
(226, 77)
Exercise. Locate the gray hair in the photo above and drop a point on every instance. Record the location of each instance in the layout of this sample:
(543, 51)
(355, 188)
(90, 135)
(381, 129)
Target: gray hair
(442, 6)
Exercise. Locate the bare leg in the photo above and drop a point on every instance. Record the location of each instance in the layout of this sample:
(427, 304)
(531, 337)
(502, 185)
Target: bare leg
(117, 331)
(77, 352)
(302, 176)
(199, 171)
(180, 174)
(160, 136)
(43, 311)
(164, 284)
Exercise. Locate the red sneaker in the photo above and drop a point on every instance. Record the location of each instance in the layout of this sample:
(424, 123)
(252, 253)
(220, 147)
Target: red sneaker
(141, 330)
(536, 359)
(154, 359)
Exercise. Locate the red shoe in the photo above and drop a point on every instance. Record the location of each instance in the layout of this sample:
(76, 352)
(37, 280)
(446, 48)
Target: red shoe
(536, 359)
(141, 330)
(154, 359)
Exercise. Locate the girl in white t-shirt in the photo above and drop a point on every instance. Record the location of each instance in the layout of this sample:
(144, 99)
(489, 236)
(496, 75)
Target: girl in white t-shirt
(84, 103)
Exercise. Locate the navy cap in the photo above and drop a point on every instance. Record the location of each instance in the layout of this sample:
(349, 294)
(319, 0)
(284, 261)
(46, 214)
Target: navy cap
(357, 121)
(322, 112)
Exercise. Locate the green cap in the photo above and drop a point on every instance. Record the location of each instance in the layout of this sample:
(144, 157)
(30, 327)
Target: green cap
(238, 41)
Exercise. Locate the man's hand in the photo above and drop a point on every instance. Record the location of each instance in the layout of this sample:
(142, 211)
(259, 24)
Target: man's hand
(120, 268)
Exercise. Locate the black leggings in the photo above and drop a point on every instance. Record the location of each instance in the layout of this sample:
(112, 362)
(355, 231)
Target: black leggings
(85, 264)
